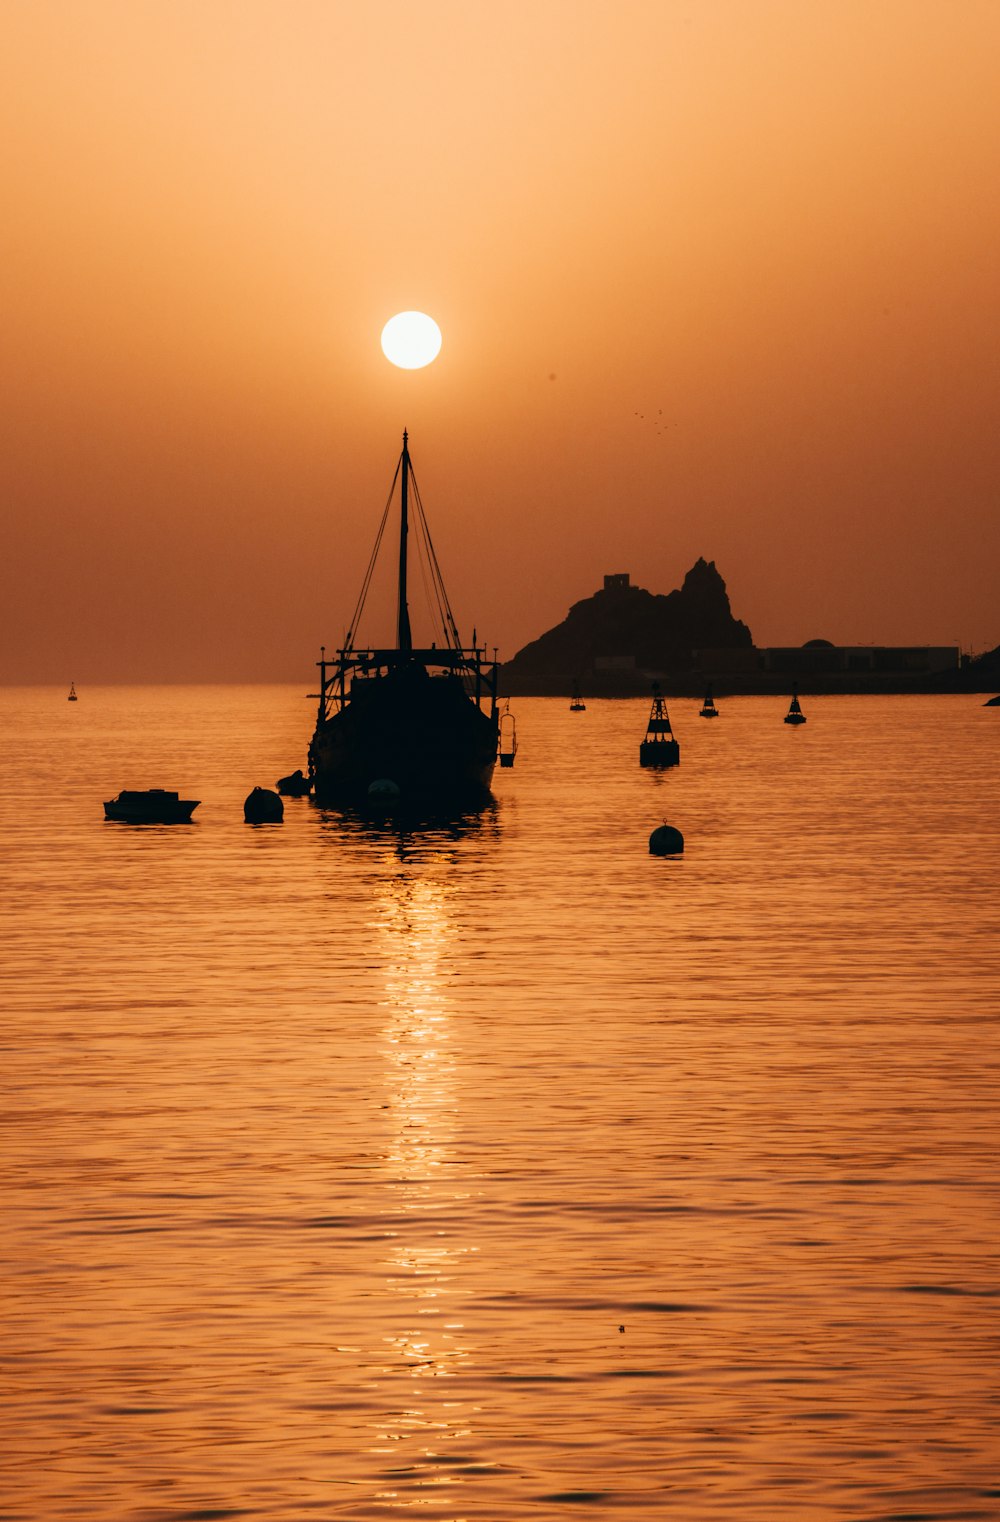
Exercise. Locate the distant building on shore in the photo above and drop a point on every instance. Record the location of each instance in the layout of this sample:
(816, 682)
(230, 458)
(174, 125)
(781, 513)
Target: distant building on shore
(818, 657)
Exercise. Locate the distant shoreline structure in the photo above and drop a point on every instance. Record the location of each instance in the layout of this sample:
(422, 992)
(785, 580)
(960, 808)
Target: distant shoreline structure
(684, 685)
(622, 639)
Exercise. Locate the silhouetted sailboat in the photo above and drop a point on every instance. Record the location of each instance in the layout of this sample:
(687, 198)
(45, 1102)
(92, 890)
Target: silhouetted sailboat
(795, 714)
(659, 748)
(425, 719)
(708, 709)
(577, 705)
(71, 696)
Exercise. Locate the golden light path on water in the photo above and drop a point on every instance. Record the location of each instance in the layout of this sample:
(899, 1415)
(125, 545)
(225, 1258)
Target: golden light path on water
(415, 933)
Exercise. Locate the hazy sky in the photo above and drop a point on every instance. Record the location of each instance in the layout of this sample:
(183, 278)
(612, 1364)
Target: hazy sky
(715, 278)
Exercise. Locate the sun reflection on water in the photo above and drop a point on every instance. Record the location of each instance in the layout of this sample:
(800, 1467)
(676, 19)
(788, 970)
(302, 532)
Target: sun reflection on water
(416, 934)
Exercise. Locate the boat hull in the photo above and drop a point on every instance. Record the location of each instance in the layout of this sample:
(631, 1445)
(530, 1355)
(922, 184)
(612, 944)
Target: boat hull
(157, 806)
(422, 732)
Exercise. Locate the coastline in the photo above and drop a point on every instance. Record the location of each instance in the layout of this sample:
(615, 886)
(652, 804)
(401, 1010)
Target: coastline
(635, 684)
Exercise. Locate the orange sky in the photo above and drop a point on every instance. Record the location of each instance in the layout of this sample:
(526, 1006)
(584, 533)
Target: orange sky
(715, 279)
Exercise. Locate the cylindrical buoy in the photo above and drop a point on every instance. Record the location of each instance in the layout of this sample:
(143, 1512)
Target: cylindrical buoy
(666, 841)
(263, 807)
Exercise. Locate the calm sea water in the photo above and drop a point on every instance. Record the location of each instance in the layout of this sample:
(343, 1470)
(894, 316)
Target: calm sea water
(501, 1170)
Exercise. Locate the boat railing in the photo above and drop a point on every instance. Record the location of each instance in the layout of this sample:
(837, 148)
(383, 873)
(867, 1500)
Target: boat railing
(470, 663)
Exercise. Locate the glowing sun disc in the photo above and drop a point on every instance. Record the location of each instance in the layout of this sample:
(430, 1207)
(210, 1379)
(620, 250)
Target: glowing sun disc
(411, 340)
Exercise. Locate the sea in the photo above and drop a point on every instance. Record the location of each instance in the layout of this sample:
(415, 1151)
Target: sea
(493, 1167)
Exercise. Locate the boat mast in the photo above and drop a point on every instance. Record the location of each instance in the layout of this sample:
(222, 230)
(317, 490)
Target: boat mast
(404, 638)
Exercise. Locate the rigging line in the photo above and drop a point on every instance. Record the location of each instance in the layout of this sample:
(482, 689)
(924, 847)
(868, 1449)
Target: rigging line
(443, 603)
(427, 572)
(374, 557)
(425, 583)
(444, 593)
(444, 612)
(428, 551)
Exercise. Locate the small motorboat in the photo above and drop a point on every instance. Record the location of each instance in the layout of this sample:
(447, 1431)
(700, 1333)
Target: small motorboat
(659, 748)
(71, 696)
(153, 806)
(795, 714)
(708, 709)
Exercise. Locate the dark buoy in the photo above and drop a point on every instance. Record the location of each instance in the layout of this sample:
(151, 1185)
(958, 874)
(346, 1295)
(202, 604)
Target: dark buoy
(666, 841)
(659, 748)
(295, 785)
(795, 714)
(708, 709)
(263, 807)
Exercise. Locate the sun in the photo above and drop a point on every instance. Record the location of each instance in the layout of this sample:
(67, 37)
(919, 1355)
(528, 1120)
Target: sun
(411, 340)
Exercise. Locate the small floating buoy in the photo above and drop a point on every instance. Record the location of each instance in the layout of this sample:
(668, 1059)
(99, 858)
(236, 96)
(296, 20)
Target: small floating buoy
(666, 841)
(795, 714)
(659, 748)
(263, 807)
(295, 785)
(383, 790)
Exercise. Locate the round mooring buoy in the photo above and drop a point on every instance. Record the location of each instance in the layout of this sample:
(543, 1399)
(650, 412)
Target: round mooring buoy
(263, 807)
(383, 790)
(666, 841)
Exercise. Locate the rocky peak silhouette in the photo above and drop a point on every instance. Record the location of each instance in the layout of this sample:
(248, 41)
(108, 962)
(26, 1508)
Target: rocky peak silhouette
(655, 632)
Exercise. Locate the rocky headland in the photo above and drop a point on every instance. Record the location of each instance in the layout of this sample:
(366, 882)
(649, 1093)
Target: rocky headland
(623, 637)
(619, 641)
